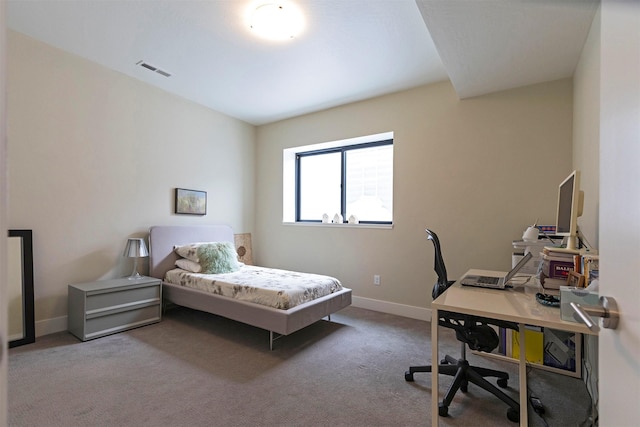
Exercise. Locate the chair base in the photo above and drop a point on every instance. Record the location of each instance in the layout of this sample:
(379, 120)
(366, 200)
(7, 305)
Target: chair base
(463, 374)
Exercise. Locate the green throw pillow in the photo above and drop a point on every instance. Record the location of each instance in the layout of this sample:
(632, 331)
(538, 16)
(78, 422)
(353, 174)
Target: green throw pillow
(218, 257)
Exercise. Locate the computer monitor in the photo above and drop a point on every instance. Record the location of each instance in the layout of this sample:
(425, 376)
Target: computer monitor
(570, 203)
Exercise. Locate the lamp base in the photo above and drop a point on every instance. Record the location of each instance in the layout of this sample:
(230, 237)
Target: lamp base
(134, 274)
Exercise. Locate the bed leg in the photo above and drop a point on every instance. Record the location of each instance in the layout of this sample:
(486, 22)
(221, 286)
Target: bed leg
(273, 337)
(329, 317)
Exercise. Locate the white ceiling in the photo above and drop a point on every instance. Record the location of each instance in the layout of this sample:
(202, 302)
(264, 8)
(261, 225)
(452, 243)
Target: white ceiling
(492, 45)
(350, 50)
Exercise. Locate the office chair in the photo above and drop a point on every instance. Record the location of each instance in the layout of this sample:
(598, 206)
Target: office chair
(472, 331)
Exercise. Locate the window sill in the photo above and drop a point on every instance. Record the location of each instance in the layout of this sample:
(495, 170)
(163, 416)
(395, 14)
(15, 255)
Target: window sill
(319, 224)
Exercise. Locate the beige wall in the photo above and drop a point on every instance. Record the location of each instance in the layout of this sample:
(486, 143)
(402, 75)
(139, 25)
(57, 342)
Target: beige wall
(586, 130)
(476, 171)
(94, 157)
(586, 157)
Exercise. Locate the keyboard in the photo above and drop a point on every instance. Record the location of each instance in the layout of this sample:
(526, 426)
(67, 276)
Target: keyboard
(484, 280)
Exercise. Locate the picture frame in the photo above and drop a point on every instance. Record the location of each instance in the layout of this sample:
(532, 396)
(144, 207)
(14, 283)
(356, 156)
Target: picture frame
(575, 279)
(190, 202)
(243, 248)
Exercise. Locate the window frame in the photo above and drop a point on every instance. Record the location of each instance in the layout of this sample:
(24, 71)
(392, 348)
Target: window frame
(343, 150)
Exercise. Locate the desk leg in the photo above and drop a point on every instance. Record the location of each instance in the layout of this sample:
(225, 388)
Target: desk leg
(434, 368)
(524, 421)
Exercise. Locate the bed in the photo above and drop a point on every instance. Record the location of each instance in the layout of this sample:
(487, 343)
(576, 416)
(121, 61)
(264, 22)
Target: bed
(279, 322)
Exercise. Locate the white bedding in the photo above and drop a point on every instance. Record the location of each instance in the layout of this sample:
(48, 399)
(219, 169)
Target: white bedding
(276, 288)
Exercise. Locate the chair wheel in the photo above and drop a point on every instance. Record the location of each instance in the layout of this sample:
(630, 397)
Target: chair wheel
(408, 376)
(502, 382)
(443, 410)
(513, 415)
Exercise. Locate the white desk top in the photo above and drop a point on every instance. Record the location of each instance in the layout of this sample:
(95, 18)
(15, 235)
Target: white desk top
(516, 304)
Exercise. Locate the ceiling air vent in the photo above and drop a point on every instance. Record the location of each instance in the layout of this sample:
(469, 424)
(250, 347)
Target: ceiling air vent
(153, 68)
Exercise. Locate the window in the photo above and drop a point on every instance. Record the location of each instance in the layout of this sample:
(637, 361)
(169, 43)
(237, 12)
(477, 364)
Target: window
(353, 177)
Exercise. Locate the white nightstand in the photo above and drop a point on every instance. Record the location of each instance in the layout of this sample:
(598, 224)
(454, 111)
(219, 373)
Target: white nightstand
(106, 307)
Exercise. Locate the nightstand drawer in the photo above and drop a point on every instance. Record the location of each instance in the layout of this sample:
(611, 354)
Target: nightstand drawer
(112, 323)
(105, 299)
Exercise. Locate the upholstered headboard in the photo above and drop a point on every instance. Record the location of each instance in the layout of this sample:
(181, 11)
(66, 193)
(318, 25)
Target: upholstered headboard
(162, 239)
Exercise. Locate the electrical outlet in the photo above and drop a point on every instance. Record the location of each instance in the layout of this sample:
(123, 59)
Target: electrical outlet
(376, 280)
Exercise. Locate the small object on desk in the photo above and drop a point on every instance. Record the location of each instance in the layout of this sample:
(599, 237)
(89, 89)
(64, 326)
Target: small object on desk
(575, 279)
(580, 296)
(531, 234)
(546, 299)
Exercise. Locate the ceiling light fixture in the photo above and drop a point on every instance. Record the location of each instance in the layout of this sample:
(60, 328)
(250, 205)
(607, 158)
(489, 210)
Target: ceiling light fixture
(276, 21)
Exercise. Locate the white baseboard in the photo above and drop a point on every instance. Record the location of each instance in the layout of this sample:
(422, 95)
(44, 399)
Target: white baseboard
(404, 310)
(59, 324)
(51, 326)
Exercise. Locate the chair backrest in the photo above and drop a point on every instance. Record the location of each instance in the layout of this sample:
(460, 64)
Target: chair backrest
(438, 265)
(471, 330)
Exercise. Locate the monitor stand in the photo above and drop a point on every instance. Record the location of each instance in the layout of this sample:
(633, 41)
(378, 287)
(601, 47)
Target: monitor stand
(571, 246)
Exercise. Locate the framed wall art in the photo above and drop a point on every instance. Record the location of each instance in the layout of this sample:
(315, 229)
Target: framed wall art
(191, 202)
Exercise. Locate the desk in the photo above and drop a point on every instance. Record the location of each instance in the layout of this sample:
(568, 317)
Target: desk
(517, 305)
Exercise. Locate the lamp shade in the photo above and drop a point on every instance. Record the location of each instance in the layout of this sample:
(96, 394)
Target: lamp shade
(136, 248)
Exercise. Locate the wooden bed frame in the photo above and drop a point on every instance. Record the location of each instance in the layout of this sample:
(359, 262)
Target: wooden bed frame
(283, 322)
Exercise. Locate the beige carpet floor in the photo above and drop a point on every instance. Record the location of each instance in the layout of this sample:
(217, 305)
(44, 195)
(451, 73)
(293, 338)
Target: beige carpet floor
(197, 369)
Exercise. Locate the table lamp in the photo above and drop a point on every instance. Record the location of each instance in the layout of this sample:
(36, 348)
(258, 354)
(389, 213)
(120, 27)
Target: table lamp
(136, 248)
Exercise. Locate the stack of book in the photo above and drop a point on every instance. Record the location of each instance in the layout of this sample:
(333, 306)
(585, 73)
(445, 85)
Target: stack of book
(556, 265)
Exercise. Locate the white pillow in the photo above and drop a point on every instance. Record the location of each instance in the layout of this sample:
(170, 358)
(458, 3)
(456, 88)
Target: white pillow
(187, 264)
(189, 251)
